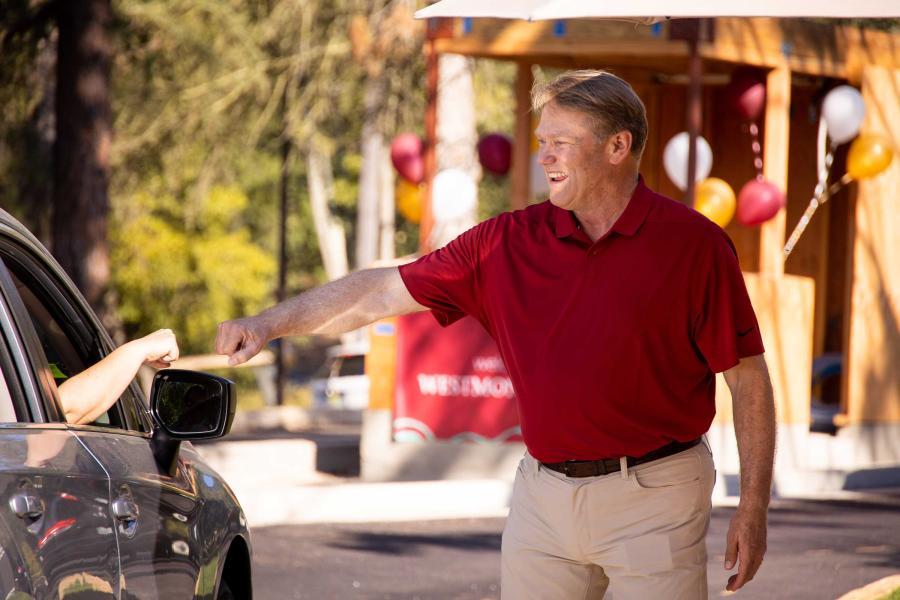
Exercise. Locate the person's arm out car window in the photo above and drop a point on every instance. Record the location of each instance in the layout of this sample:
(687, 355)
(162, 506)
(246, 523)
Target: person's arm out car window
(89, 394)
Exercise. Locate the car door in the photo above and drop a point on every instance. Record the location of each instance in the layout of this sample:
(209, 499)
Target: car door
(153, 510)
(56, 532)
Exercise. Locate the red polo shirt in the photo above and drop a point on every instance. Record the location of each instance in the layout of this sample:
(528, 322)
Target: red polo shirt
(611, 346)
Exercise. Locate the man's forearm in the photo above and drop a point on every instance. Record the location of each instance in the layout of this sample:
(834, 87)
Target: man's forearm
(339, 306)
(754, 425)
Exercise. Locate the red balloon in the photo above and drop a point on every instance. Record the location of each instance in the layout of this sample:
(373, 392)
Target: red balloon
(495, 153)
(758, 202)
(406, 155)
(747, 93)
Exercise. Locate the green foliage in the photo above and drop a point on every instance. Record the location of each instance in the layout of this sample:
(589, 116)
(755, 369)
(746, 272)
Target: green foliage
(494, 83)
(187, 277)
(205, 93)
(894, 595)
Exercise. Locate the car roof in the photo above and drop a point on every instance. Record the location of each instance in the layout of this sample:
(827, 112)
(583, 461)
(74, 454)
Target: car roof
(12, 227)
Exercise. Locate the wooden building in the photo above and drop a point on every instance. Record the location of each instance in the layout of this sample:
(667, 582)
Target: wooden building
(839, 292)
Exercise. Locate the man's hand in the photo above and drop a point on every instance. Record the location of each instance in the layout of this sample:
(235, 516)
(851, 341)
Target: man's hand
(746, 545)
(754, 427)
(241, 339)
(159, 349)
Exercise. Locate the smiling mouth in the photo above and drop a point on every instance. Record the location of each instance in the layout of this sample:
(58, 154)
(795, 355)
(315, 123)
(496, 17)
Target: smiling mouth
(556, 176)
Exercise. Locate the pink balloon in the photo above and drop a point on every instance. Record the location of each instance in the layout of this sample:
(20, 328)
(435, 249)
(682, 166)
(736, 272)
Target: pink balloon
(746, 93)
(406, 155)
(495, 153)
(758, 202)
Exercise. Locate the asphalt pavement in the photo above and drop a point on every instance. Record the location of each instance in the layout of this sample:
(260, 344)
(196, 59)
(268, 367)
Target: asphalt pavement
(817, 550)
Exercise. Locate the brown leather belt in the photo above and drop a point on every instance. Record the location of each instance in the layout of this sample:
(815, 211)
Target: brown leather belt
(593, 468)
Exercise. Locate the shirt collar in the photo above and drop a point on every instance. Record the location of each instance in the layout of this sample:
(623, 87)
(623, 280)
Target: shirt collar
(566, 225)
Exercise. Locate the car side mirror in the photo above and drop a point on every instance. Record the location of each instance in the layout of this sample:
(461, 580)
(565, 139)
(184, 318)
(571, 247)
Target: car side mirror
(188, 405)
(192, 406)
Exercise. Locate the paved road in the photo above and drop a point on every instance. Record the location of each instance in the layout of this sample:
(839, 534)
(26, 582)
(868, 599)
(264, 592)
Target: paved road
(817, 550)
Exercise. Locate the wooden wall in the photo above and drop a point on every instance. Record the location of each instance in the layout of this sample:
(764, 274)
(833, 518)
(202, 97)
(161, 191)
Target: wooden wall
(784, 308)
(873, 335)
(808, 46)
(727, 136)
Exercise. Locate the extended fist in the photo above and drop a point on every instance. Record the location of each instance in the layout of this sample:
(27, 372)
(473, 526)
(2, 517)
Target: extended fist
(159, 349)
(241, 339)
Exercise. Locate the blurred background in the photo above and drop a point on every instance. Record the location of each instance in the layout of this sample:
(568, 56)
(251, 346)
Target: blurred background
(154, 161)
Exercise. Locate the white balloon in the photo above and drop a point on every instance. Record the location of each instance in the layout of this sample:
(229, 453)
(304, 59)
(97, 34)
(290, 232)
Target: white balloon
(843, 111)
(454, 195)
(675, 159)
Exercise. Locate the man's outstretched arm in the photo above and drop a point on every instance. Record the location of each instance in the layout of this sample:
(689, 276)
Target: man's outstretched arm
(754, 427)
(336, 307)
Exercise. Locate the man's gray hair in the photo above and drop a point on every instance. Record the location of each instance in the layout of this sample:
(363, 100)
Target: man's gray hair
(609, 101)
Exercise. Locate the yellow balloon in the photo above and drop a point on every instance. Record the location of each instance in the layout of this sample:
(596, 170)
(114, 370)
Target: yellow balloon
(715, 200)
(409, 200)
(869, 155)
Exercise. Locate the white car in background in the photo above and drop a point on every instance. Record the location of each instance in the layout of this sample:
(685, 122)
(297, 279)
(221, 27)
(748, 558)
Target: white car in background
(342, 382)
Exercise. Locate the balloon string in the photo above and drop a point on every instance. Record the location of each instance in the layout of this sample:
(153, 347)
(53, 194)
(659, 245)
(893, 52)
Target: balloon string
(757, 151)
(820, 197)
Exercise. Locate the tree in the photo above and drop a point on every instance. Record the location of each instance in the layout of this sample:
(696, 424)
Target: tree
(195, 92)
(27, 115)
(386, 43)
(82, 148)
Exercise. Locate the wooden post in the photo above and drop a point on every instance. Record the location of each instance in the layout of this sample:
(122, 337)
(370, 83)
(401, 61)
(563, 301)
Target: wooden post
(775, 165)
(872, 311)
(520, 192)
(694, 113)
(431, 96)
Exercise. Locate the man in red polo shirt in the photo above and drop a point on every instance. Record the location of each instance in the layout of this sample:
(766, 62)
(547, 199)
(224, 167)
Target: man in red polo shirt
(613, 308)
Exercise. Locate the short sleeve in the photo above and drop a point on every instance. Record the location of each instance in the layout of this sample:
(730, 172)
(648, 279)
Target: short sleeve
(725, 326)
(446, 280)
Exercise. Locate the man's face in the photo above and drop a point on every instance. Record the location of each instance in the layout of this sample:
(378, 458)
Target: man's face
(572, 155)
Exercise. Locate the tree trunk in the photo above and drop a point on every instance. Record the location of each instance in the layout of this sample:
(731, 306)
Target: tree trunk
(332, 243)
(37, 186)
(386, 210)
(81, 151)
(457, 137)
(369, 189)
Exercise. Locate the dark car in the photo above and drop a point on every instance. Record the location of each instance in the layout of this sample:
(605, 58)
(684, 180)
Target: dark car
(123, 507)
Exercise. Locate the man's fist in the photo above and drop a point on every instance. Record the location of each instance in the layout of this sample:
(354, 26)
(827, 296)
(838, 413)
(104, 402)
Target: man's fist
(241, 339)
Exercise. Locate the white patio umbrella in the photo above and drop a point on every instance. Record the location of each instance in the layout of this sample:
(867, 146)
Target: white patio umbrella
(650, 11)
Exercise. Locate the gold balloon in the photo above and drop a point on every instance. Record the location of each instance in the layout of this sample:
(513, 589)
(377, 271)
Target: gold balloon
(869, 155)
(409, 200)
(715, 200)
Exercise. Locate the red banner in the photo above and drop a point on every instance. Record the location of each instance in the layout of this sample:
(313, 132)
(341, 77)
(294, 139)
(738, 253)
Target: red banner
(451, 384)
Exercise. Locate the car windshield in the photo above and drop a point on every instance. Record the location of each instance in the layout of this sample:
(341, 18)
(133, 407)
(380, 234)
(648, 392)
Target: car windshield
(352, 365)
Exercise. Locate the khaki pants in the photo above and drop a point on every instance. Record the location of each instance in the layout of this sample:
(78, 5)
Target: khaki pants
(640, 534)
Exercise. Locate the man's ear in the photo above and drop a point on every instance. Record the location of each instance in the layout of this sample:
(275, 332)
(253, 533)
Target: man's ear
(619, 146)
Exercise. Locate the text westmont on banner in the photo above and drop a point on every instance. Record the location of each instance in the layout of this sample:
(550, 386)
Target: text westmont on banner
(451, 384)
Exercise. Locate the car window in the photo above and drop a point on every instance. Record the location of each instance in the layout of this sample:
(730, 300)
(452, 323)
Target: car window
(352, 365)
(66, 352)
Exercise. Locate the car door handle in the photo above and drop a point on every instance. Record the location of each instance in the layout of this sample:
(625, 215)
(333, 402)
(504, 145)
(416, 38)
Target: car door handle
(124, 509)
(26, 506)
